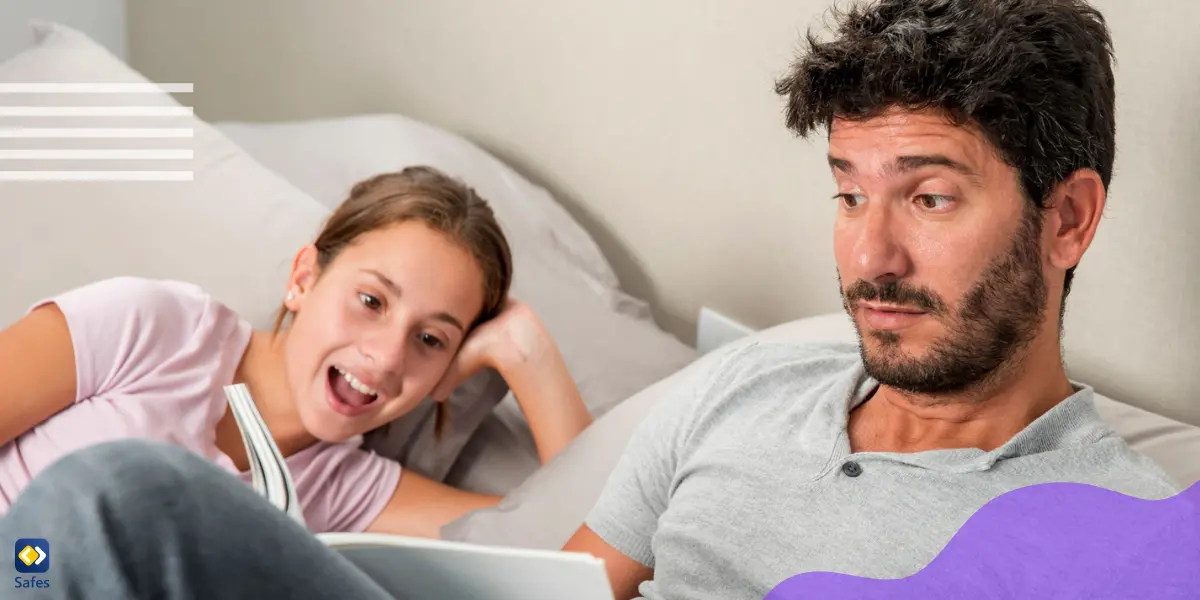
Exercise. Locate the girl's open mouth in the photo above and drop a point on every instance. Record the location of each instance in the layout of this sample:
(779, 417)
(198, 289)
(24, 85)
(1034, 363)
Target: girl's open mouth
(348, 396)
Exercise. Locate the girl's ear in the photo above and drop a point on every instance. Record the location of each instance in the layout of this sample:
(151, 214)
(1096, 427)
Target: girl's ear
(304, 275)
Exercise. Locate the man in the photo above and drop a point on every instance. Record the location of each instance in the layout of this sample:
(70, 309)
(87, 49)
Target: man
(971, 144)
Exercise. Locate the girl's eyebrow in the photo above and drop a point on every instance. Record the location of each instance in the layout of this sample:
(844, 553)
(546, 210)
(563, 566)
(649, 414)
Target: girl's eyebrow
(395, 290)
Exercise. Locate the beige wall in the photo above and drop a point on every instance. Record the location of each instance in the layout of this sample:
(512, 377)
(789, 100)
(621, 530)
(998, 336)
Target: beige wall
(656, 124)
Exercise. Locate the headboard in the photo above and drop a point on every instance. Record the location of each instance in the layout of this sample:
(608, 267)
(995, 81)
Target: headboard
(656, 124)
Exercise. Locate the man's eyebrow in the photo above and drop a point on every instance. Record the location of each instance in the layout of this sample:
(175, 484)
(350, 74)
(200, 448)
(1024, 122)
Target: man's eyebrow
(841, 164)
(905, 164)
(395, 290)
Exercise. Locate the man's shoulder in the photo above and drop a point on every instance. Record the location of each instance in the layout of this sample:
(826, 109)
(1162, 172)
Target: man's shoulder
(774, 375)
(1107, 462)
(796, 360)
(1120, 468)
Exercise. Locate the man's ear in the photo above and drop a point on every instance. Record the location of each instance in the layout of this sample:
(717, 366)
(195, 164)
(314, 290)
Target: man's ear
(1076, 206)
(305, 270)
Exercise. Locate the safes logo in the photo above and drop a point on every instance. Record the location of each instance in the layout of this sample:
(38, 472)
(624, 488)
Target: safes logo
(31, 555)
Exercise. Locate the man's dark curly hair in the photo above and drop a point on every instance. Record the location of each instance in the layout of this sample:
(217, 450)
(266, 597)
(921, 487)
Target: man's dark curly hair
(1034, 76)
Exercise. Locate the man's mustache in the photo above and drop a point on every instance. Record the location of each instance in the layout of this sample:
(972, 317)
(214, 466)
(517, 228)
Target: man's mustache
(894, 292)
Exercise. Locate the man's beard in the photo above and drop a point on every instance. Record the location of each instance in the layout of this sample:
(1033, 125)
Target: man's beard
(993, 326)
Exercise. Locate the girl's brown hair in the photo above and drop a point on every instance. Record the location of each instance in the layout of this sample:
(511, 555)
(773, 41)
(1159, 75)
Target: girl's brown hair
(441, 202)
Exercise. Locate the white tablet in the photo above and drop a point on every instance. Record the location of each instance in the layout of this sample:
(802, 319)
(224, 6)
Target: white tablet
(418, 568)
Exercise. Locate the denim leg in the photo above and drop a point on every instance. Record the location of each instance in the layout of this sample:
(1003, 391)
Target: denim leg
(137, 519)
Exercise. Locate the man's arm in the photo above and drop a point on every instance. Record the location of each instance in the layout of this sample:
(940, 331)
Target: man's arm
(624, 573)
(621, 526)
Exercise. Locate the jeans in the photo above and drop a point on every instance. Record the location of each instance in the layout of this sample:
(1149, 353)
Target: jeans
(137, 519)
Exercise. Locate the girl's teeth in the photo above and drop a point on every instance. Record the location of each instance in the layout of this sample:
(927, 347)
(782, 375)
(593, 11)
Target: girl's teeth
(356, 384)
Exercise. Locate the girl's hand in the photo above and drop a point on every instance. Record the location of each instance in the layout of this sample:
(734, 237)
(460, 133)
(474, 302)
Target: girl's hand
(517, 345)
(514, 337)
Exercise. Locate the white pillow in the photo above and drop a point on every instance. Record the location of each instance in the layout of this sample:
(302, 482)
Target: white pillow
(545, 510)
(233, 230)
(325, 156)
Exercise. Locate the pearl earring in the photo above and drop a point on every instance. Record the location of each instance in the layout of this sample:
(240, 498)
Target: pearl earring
(291, 296)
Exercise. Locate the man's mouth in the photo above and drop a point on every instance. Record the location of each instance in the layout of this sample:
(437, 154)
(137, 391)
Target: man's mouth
(889, 317)
(891, 308)
(348, 390)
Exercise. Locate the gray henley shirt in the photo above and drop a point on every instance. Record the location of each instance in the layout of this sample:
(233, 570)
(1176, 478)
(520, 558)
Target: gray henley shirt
(744, 477)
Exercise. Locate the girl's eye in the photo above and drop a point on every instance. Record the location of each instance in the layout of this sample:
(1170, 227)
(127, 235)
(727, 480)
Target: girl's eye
(850, 200)
(934, 201)
(432, 341)
(370, 301)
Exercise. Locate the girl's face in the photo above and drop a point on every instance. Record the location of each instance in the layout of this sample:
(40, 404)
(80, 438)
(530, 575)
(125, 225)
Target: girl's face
(375, 332)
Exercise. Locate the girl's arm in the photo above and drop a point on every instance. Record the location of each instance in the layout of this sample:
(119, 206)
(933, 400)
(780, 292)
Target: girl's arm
(517, 345)
(37, 371)
(547, 394)
(94, 339)
(420, 507)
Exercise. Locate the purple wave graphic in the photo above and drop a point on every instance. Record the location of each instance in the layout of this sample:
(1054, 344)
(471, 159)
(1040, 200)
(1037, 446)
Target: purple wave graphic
(1053, 540)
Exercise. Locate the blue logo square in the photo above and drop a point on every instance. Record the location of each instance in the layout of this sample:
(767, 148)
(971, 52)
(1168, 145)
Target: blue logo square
(32, 555)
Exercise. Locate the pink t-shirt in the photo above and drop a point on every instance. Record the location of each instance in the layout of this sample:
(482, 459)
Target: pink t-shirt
(151, 360)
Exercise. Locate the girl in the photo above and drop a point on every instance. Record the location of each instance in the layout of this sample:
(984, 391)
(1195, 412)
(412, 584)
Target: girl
(401, 297)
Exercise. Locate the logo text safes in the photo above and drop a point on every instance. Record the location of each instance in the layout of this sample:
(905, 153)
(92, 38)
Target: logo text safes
(31, 555)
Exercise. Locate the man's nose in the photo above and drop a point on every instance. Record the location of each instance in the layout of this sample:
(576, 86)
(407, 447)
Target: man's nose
(879, 253)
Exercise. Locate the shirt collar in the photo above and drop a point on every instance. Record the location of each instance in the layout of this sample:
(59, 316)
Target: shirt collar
(1072, 422)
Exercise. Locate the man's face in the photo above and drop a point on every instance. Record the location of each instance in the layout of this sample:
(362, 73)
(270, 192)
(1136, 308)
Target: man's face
(939, 253)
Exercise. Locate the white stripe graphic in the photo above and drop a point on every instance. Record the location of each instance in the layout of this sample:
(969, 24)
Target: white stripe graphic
(32, 108)
(105, 154)
(95, 111)
(86, 132)
(96, 176)
(95, 88)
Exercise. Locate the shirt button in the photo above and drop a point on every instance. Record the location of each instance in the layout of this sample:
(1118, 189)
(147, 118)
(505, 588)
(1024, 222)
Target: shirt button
(851, 469)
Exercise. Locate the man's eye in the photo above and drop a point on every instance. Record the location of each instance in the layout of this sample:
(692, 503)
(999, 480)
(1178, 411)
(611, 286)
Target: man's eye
(850, 200)
(431, 340)
(370, 301)
(934, 201)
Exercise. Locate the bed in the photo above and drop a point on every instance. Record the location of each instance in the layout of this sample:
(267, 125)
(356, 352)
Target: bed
(259, 191)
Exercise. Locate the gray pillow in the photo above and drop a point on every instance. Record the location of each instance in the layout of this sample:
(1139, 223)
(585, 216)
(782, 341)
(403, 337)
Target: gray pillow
(610, 353)
(411, 441)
